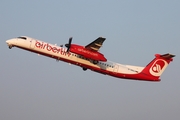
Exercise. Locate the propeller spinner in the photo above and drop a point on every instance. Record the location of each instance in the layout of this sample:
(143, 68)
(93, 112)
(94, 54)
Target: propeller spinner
(69, 44)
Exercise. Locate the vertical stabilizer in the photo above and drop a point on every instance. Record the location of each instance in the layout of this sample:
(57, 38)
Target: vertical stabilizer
(157, 66)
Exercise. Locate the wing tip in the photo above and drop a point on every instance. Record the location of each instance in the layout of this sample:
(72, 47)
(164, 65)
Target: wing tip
(102, 38)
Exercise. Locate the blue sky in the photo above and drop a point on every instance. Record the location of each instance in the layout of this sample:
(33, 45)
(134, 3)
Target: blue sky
(36, 87)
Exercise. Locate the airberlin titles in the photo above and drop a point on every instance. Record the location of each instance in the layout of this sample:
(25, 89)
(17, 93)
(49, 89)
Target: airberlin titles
(87, 52)
(54, 49)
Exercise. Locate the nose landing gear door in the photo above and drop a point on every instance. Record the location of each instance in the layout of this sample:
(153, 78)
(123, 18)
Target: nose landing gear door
(32, 43)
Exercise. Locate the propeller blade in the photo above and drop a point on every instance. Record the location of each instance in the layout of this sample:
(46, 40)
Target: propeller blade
(69, 44)
(70, 40)
(68, 49)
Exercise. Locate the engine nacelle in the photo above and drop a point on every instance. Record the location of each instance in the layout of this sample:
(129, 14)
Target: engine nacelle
(81, 50)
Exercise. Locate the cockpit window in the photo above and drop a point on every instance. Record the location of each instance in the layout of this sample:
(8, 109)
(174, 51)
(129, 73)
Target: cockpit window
(22, 38)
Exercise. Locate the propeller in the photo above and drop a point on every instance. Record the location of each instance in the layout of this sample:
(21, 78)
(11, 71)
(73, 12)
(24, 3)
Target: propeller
(68, 45)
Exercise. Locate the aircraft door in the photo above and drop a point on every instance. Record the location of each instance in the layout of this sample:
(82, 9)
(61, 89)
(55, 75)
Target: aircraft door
(32, 43)
(116, 68)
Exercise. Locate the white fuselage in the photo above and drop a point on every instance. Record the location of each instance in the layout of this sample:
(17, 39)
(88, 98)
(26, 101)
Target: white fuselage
(59, 53)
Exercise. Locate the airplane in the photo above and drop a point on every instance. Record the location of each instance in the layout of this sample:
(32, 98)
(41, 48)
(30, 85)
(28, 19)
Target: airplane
(89, 57)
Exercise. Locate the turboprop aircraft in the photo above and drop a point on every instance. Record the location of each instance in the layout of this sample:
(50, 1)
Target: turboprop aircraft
(89, 57)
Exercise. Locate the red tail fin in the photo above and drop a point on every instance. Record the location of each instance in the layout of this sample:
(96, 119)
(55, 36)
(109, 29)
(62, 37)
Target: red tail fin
(157, 66)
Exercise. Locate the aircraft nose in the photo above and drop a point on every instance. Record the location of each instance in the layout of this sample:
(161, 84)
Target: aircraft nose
(10, 43)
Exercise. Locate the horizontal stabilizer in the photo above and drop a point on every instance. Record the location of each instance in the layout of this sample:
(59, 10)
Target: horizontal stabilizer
(167, 56)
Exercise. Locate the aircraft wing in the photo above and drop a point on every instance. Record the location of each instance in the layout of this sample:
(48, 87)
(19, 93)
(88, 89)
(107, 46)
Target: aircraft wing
(96, 44)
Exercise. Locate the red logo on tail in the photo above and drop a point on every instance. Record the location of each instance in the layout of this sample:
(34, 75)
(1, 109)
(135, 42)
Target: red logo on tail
(158, 65)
